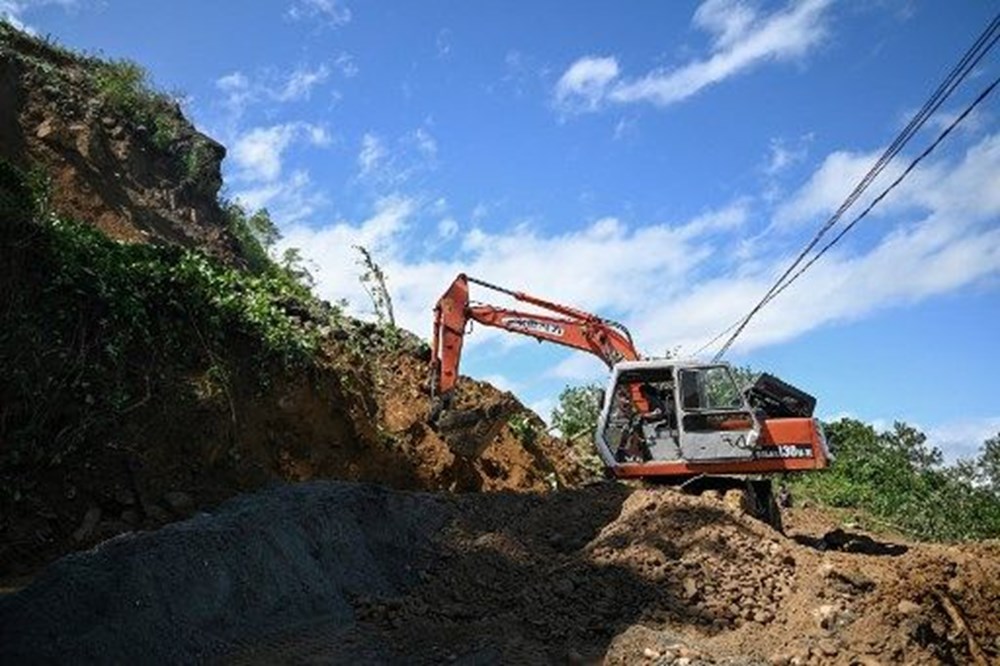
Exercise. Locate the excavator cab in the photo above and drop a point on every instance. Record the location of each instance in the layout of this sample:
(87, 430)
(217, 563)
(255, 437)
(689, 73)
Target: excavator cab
(682, 419)
(692, 413)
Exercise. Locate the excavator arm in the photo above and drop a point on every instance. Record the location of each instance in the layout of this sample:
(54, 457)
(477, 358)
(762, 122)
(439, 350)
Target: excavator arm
(608, 340)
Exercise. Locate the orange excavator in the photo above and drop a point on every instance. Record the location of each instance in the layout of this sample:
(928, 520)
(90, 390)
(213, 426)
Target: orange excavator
(678, 421)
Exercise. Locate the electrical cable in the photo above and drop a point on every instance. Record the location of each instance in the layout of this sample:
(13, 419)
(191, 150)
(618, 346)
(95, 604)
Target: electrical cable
(927, 151)
(969, 60)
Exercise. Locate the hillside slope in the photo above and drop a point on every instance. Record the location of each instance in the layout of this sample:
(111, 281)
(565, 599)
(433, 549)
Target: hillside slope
(155, 360)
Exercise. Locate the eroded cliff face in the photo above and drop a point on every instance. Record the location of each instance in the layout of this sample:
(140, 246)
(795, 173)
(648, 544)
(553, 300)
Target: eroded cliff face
(118, 155)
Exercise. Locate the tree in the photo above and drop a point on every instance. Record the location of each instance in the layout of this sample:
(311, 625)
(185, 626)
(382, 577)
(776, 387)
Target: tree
(374, 282)
(912, 444)
(576, 418)
(577, 412)
(264, 229)
(294, 265)
(988, 464)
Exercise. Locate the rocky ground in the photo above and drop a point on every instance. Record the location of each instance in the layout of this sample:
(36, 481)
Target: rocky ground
(335, 572)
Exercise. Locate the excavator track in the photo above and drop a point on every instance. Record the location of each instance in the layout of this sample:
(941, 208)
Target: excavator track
(754, 496)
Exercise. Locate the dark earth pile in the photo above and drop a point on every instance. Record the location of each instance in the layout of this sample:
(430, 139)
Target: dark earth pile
(333, 572)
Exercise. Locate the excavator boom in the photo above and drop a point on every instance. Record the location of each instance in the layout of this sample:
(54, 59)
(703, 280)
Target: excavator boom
(608, 340)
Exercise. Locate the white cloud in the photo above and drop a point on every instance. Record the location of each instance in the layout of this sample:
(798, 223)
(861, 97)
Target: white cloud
(946, 235)
(447, 227)
(443, 43)
(579, 368)
(584, 85)
(827, 188)
(502, 382)
(387, 165)
(371, 154)
(275, 86)
(332, 249)
(289, 200)
(682, 282)
(329, 12)
(13, 11)
(236, 81)
(963, 439)
(585, 267)
(784, 153)
(257, 153)
(742, 39)
(425, 143)
(301, 82)
(345, 64)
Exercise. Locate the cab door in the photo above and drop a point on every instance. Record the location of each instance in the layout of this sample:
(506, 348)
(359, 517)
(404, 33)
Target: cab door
(715, 423)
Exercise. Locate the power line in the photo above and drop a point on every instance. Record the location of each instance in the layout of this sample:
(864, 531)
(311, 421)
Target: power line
(969, 60)
(927, 151)
(843, 232)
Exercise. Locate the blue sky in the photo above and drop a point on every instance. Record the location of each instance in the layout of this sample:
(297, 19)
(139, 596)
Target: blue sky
(658, 164)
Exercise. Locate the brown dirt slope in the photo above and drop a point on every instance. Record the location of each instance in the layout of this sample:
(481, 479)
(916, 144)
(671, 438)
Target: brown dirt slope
(137, 179)
(200, 442)
(199, 429)
(336, 573)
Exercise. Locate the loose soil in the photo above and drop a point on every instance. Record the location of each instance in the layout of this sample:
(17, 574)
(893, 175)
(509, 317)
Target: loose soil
(336, 572)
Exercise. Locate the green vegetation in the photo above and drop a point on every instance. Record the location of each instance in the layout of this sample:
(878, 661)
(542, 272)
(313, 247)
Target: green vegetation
(897, 481)
(90, 324)
(123, 86)
(375, 284)
(523, 425)
(125, 92)
(576, 418)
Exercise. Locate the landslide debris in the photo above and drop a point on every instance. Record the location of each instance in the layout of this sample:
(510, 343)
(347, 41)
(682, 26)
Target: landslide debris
(335, 572)
(156, 361)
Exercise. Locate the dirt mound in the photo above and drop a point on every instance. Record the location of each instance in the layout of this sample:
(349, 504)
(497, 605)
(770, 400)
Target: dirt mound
(203, 587)
(198, 444)
(606, 572)
(493, 453)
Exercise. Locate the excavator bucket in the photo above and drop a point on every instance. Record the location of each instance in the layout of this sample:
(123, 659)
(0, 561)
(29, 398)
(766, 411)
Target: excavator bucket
(469, 432)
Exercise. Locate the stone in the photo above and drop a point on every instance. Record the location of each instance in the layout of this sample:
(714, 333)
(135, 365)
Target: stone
(690, 588)
(90, 520)
(564, 587)
(828, 648)
(863, 660)
(45, 130)
(125, 497)
(650, 653)
(762, 616)
(827, 616)
(180, 503)
(907, 607)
